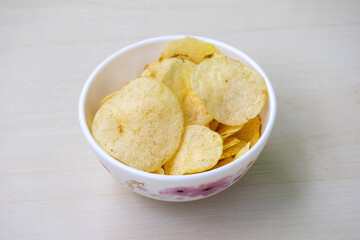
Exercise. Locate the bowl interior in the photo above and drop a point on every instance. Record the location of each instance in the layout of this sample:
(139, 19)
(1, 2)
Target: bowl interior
(129, 62)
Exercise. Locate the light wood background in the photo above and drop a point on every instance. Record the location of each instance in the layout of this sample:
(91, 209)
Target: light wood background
(306, 183)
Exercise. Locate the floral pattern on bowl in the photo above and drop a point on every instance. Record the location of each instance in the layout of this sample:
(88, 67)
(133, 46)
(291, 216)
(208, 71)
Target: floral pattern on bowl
(188, 192)
(132, 184)
(202, 190)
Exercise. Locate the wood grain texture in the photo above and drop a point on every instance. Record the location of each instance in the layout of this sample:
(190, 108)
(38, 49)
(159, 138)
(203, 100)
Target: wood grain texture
(306, 183)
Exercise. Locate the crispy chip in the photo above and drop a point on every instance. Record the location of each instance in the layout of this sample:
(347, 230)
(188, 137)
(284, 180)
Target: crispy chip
(176, 74)
(233, 150)
(189, 48)
(199, 151)
(215, 55)
(231, 92)
(251, 131)
(141, 125)
(229, 159)
(179, 56)
(159, 171)
(243, 151)
(194, 110)
(107, 98)
(150, 70)
(223, 162)
(226, 130)
(219, 55)
(229, 142)
(213, 125)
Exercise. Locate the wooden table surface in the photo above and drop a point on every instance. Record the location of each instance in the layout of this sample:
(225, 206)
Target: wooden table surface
(305, 184)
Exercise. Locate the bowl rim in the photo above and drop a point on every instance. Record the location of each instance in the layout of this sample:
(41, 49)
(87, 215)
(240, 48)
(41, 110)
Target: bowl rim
(213, 173)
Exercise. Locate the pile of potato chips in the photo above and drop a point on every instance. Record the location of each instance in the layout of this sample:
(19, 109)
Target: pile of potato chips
(192, 111)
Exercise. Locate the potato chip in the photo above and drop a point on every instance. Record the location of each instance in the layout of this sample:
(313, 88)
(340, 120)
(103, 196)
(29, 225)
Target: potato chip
(141, 125)
(233, 150)
(229, 159)
(189, 48)
(229, 142)
(150, 70)
(160, 171)
(199, 151)
(213, 125)
(251, 131)
(107, 98)
(243, 151)
(231, 92)
(223, 162)
(226, 130)
(215, 55)
(219, 55)
(179, 56)
(176, 74)
(194, 110)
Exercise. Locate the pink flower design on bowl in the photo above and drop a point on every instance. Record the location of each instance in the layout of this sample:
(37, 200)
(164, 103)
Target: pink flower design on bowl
(178, 191)
(105, 167)
(141, 188)
(205, 190)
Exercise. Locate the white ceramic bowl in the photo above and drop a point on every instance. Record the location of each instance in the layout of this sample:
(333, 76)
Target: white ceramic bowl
(125, 65)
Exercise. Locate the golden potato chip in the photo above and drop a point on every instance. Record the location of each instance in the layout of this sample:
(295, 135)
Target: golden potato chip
(243, 151)
(231, 92)
(215, 55)
(233, 150)
(179, 56)
(226, 130)
(199, 151)
(194, 110)
(141, 125)
(159, 171)
(229, 159)
(189, 48)
(251, 131)
(229, 142)
(176, 74)
(150, 70)
(213, 125)
(223, 162)
(219, 55)
(107, 98)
